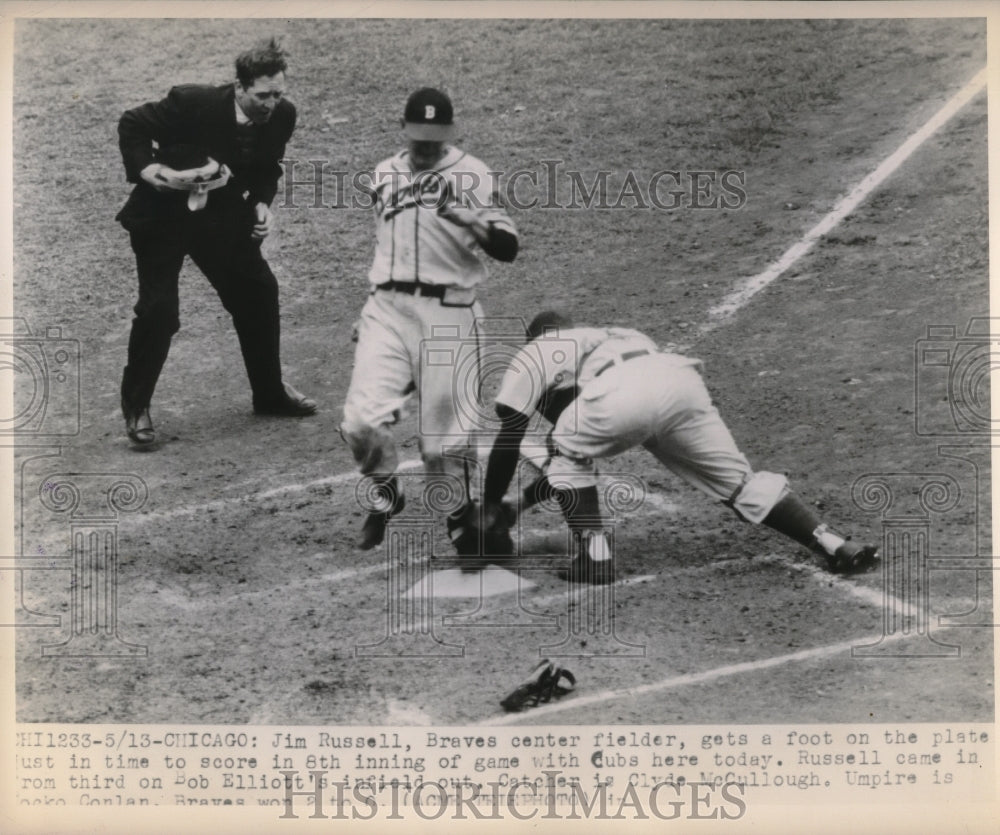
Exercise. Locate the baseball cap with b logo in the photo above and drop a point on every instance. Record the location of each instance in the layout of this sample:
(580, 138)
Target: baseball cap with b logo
(428, 116)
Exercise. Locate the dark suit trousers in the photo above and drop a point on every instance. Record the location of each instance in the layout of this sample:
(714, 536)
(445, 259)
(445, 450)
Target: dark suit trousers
(233, 264)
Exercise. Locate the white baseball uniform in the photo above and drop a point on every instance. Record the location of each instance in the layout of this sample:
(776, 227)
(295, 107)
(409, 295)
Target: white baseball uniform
(631, 393)
(418, 330)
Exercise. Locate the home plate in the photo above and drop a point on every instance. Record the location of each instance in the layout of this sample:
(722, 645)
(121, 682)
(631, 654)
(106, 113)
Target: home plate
(454, 582)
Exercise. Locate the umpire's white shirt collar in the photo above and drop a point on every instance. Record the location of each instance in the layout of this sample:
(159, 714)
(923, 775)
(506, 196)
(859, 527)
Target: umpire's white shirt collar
(241, 117)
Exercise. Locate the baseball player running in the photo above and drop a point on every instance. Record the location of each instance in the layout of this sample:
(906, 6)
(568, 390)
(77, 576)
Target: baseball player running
(437, 210)
(606, 390)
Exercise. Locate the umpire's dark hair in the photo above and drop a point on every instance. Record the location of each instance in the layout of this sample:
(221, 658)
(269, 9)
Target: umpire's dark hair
(548, 320)
(267, 58)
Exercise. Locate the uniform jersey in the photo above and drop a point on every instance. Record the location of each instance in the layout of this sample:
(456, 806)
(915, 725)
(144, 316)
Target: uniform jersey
(631, 394)
(554, 365)
(412, 242)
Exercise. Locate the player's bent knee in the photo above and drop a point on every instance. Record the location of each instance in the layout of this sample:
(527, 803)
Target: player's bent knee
(758, 494)
(371, 446)
(574, 473)
(444, 455)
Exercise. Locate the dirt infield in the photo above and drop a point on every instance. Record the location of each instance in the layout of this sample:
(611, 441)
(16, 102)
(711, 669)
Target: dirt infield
(238, 573)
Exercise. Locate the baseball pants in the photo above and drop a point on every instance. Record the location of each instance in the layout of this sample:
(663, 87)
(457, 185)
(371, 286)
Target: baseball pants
(662, 404)
(234, 266)
(406, 344)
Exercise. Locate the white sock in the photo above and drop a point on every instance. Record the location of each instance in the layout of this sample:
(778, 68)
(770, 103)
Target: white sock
(598, 548)
(827, 540)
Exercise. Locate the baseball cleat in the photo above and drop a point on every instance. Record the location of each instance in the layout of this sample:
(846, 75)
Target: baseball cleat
(853, 558)
(547, 681)
(373, 531)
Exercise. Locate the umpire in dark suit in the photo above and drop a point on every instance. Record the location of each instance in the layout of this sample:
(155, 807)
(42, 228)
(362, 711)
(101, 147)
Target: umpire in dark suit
(244, 126)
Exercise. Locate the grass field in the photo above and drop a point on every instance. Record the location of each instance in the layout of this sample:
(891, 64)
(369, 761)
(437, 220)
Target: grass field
(239, 574)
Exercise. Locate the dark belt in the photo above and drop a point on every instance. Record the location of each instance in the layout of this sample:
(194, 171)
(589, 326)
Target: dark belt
(414, 288)
(628, 355)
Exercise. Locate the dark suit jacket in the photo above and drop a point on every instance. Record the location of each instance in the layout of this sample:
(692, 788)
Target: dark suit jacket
(203, 116)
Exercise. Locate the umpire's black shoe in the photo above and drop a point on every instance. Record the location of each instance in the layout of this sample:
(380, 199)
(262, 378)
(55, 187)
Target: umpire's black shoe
(293, 404)
(139, 428)
(373, 531)
(853, 558)
(585, 570)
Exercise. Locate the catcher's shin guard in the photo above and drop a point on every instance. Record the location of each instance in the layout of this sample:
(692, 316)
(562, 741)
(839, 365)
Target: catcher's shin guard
(792, 517)
(388, 496)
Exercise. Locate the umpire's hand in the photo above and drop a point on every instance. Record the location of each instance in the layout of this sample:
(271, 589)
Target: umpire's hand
(265, 222)
(150, 175)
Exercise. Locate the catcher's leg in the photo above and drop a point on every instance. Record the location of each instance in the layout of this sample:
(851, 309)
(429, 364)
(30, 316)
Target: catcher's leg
(794, 518)
(605, 420)
(696, 445)
(381, 384)
(571, 481)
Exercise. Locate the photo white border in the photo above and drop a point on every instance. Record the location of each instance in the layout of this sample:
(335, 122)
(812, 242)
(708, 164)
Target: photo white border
(834, 812)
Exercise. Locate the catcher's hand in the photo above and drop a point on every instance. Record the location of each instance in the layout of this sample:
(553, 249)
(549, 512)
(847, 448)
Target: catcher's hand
(503, 514)
(546, 682)
(497, 521)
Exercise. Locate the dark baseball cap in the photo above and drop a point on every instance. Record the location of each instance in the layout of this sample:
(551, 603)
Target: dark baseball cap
(428, 116)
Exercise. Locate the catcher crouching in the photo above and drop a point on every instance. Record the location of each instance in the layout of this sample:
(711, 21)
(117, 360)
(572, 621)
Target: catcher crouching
(606, 390)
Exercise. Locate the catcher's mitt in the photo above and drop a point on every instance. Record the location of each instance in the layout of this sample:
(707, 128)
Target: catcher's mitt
(477, 544)
(546, 682)
(497, 541)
